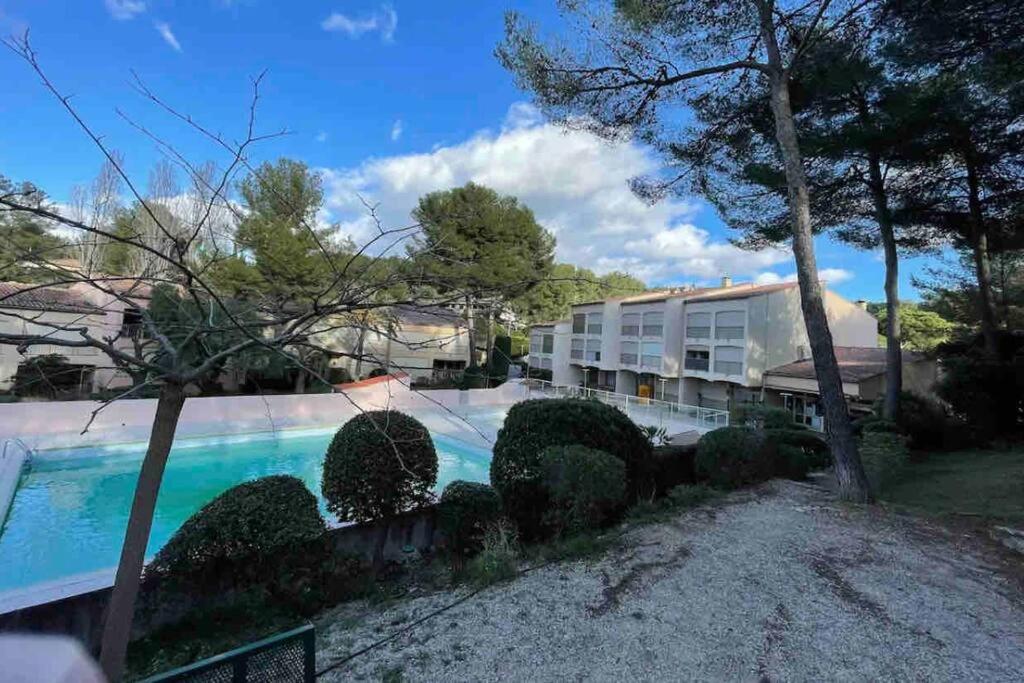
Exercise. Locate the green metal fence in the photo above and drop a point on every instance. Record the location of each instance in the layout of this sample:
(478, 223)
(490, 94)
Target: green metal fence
(287, 657)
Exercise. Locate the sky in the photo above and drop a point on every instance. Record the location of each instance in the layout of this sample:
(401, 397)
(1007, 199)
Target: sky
(387, 101)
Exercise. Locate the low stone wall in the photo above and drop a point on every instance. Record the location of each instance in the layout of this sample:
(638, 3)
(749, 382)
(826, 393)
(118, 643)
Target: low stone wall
(81, 616)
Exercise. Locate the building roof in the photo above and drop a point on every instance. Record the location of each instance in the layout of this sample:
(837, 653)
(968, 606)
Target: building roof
(856, 363)
(36, 298)
(428, 316)
(741, 291)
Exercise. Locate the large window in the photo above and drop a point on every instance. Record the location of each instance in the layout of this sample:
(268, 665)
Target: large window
(698, 326)
(696, 359)
(654, 323)
(535, 344)
(594, 323)
(729, 360)
(548, 344)
(593, 349)
(729, 324)
(579, 323)
(630, 324)
(576, 351)
(650, 357)
(629, 353)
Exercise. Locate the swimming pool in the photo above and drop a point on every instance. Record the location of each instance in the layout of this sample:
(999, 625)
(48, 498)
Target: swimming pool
(71, 508)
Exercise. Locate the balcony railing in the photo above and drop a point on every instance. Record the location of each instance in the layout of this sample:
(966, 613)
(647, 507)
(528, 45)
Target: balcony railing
(630, 330)
(696, 364)
(653, 330)
(651, 362)
(698, 333)
(576, 354)
(729, 332)
(644, 411)
(594, 328)
(628, 358)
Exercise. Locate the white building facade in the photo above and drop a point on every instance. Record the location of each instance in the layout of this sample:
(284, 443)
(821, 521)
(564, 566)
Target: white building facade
(701, 347)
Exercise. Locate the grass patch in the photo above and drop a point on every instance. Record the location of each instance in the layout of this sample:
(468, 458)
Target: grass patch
(580, 546)
(979, 483)
(679, 498)
(498, 560)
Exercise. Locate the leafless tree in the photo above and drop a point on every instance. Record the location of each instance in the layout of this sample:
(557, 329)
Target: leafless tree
(174, 242)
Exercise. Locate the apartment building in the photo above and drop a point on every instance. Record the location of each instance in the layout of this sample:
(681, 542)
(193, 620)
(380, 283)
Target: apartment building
(711, 347)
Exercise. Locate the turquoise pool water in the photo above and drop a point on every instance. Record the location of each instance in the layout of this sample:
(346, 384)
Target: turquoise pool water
(71, 509)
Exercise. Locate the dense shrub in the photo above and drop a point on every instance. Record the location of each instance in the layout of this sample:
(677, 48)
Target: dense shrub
(243, 535)
(690, 495)
(380, 463)
(987, 394)
(760, 416)
(339, 375)
(671, 466)
(884, 455)
(731, 457)
(813, 449)
(466, 511)
(586, 487)
(924, 421)
(875, 423)
(532, 426)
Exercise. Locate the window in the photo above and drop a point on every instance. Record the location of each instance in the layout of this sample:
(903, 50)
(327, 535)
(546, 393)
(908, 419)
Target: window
(729, 360)
(535, 343)
(653, 323)
(606, 380)
(594, 323)
(698, 326)
(696, 359)
(545, 363)
(579, 323)
(593, 349)
(132, 326)
(729, 324)
(576, 351)
(628, 353)
(651, 355)
(548, 344)
(630, 324)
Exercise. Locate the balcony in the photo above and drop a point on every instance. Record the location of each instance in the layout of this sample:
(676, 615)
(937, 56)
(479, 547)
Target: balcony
(628, 358)
(576, 354)
(698, 333)
(653, 330)
(700, 364)
(724, 333)
(651, 363)
(630, 330)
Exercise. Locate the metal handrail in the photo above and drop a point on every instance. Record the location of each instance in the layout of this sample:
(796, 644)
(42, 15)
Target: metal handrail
(19, 442)
(710, 417)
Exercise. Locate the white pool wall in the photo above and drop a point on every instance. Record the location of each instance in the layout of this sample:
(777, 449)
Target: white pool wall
(59, 424)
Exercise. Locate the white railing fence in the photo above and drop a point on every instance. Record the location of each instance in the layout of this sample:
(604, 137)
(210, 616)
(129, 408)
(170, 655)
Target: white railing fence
(646, 411)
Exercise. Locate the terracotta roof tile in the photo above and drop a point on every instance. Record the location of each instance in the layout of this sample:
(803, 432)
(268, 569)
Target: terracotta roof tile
(35, 298)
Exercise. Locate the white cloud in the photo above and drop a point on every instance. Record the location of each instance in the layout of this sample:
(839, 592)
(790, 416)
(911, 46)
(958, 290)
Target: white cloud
(396, 130)
(575, 183)
(122, 10)
(383, 21)
(832, 276)
(321, 136)
(164, 29)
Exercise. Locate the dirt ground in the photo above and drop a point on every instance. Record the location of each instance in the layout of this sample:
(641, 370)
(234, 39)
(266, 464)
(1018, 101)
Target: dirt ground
(780, 583)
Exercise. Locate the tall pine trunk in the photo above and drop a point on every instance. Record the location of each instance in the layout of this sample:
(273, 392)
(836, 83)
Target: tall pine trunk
(982, 261)
(471, 330)
(853, 483)
(118, 624)
(893, 342)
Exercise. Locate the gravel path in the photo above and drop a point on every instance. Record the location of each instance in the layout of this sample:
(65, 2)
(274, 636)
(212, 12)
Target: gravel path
(781, 583)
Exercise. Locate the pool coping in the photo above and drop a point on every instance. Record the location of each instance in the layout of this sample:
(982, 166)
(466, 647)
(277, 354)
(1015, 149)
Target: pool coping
(58, 589)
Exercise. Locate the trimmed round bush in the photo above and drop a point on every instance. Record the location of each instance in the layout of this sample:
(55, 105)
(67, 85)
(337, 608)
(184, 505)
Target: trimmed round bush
(467, 509)
(811, 445)
(586, 487)
(242, 533)
(532, 426)
(672, 466)
(730, 457)
(761, 416)
(379, 464)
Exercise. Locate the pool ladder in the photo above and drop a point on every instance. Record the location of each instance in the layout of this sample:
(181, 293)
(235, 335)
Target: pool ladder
(17, 442)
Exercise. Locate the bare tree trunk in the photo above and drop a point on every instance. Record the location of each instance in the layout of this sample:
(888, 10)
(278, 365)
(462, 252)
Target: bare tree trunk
(471, 329)
(893, 342)
(982, 263)
(121, 610)
(853, 484)
(360, 345)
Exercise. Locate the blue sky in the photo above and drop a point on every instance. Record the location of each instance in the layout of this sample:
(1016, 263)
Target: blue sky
(388, 100)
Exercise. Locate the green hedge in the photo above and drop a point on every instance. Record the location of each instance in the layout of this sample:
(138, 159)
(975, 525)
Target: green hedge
(884, 455)
(467, 509)
(672, 466)
(380, 463)
(243, 535)
(731, 457)
(759, 416)
(586, 487)
(532, 426)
